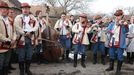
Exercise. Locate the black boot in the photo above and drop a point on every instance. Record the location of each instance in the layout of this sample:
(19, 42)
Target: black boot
(67, 55)
(1, 72)
(106, 51)
(119, 65)
(75, 60)
(131, 58)
(11, 67)
(128, 58)
(103, 59)
(21, 67)
(5, 70)
(94, 58)
(83, 61)
(111, 65)
(27, 70)
(38, 58)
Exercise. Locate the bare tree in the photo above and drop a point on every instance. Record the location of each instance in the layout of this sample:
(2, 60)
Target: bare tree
(130, 10)
(64, 5)
(69, 5)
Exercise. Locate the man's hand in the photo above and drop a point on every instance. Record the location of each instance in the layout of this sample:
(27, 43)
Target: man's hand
(94, 25)
(28, 34)
(125, 23)
(67, 27)
(58, 29)
(13, 42)
(7, 40)
(121, 22)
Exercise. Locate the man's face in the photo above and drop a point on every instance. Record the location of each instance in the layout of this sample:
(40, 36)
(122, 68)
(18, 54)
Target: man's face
(4, 11)
(72, 17)
(40, 14)
(98, 21)
(63, 16)
(82, 19)
(118, 18)
(11, 13)
(132, 20)
(26, 10)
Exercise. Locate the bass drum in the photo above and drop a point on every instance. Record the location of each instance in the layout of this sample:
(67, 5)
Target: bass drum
(52, 49)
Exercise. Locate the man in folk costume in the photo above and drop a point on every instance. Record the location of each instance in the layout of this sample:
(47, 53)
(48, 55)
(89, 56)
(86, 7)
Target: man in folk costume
(63, 26)
(98, 39)
(80, 39)
(72, 19)
(11, 16)
(42, 25)
(118, 30)
(26, 25)
(130, 42)
(7, 38)
(106, 21)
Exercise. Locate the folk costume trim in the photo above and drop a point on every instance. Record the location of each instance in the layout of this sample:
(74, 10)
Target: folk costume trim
(117, 34)
(19, 42)
(5, 45)
(79, 39)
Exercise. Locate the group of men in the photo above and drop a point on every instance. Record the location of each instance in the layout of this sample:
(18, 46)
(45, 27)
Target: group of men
(19, 32)
(24, 31)
(109, 34)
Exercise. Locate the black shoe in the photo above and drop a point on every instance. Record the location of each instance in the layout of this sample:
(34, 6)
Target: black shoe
(131, 62)
(5, 70)
(38, 58)
(83, 61)
(9, 71)
(27, 70)
(11, 67)
(67, 54)
(132, 58)
(21, 67)
(103, 59)
(94, 58)
(118, 70)
(1, 72)
(75, 60)
(128, 58)
(111, 65)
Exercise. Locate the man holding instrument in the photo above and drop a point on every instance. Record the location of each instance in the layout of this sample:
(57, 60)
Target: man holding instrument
(80, 39)
(63, 26)
(7, 38)
(26, 25)
(117, 44)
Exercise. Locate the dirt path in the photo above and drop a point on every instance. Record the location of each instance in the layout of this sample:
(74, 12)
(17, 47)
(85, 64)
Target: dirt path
(67, 69)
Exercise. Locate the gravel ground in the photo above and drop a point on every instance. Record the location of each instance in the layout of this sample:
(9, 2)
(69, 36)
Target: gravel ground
(68, 69)
(64, 68)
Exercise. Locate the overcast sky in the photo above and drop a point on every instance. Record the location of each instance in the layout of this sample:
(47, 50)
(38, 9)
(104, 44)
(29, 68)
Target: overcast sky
(104, 6)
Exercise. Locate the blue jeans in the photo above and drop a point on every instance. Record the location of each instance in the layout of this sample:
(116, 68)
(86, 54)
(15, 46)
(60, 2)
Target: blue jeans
(4, 59)
(99, 46)
(80, 48)
(119, 51)
(26, 52)
(66, 42)
(113, 51)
